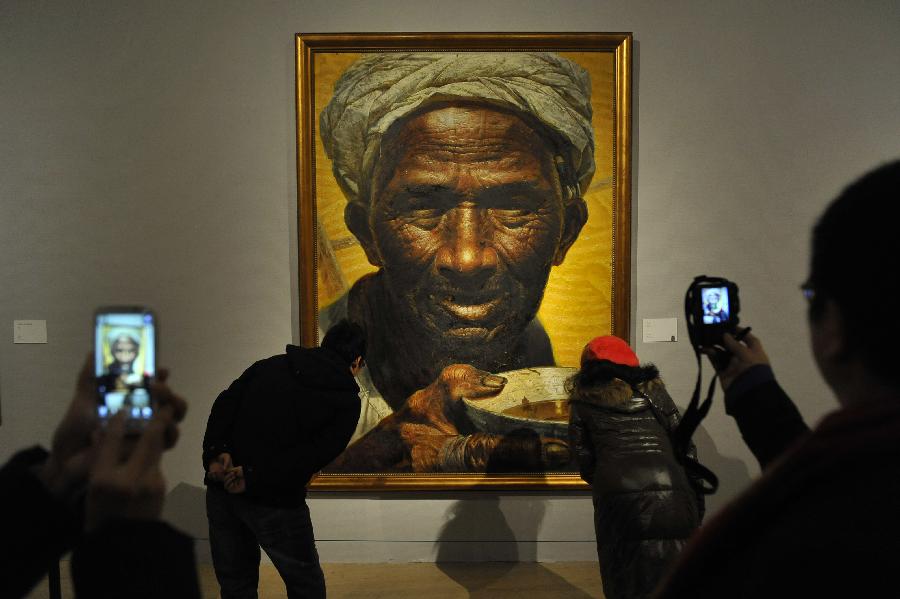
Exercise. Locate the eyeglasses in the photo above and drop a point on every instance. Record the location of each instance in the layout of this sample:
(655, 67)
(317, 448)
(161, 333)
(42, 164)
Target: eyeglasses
(808, 291)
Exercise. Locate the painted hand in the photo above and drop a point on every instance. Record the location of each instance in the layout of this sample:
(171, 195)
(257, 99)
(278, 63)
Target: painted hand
(421, 436)
(435, 445)
(425, 422)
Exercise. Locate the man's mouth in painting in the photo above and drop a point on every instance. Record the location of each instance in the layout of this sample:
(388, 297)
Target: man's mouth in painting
(471, 309)
(465, 313)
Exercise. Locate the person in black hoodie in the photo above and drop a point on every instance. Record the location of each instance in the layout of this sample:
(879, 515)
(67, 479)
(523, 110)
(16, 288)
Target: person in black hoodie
(645, 506)
(282, 421)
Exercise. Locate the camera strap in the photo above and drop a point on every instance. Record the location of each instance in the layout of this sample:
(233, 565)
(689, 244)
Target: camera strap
(705, 480)
(696, 411)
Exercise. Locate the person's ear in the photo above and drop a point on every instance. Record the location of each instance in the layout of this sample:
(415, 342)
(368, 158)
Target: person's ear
(573, 220)
(827, 334)
(356, 217)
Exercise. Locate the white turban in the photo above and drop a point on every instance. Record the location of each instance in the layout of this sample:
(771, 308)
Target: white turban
(378, 89)
(115, 334)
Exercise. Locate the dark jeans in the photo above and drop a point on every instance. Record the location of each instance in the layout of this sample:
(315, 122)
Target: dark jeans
(238, 528)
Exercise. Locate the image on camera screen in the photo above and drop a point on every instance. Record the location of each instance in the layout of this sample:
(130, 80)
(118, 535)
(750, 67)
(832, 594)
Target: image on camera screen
(715, 304)
(124, 357)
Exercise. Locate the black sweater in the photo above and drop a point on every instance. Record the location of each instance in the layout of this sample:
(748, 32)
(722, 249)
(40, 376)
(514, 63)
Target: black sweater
(767, 418)
(283, 420)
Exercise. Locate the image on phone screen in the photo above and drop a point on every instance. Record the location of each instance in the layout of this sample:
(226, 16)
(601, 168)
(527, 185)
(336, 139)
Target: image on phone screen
(715, 304)
(124, 362)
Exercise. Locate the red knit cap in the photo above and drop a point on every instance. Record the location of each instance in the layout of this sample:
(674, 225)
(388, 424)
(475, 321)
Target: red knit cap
(609, 348)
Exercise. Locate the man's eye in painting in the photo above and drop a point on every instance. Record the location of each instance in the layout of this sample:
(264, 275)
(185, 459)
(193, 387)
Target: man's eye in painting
(422, 212)
(516, 211)
(513, 217)
(427, 212)
(419, 213)
(424, 218)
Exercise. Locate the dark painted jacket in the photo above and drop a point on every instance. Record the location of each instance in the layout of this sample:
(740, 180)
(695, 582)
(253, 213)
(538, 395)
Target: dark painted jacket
(645, 507)
(283, 420)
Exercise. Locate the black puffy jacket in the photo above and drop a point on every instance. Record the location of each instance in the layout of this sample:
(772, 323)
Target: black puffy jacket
(645, 507)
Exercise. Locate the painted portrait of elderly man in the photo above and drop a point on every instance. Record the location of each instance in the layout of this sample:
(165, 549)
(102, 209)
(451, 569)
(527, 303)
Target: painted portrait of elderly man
(465, 220)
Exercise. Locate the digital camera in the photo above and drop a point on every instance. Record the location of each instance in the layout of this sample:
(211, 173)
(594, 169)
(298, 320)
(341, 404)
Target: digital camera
(711, 309)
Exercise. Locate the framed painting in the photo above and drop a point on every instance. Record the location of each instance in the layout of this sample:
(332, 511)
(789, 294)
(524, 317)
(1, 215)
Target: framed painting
(466, 199)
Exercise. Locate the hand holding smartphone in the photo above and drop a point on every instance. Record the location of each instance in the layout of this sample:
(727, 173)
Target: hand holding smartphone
(125, 362)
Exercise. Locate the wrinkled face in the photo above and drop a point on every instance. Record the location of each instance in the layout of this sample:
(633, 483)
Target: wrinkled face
(466, 220)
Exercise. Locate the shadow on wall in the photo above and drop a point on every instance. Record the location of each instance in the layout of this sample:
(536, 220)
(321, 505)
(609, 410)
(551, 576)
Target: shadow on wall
(185, 509)
(477, 530)
(734, 476)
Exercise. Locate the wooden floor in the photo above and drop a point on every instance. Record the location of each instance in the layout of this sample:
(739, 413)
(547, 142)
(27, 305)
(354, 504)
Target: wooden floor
(567, 580)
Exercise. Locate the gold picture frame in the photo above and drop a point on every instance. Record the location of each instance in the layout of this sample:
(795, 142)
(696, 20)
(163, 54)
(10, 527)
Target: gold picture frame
(329, 257)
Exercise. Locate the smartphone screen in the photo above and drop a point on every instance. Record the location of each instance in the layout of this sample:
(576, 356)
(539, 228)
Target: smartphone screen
(715, 305)
(124, 361)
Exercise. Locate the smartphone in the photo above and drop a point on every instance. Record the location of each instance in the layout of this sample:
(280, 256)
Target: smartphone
(125, 361)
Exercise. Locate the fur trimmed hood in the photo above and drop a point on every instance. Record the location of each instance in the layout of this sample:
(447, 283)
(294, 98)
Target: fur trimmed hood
(614, 393)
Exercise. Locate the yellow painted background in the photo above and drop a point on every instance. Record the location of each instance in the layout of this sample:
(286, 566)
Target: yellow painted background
(576, 305)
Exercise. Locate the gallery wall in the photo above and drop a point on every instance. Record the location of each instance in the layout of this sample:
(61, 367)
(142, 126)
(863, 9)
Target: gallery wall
(148, 156)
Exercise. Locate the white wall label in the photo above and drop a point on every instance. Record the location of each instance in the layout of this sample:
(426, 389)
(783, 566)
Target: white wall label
(29, 331)
(660, 329)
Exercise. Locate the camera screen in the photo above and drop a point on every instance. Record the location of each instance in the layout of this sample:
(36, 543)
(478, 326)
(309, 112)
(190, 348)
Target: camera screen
(715, 304)
(124, 358)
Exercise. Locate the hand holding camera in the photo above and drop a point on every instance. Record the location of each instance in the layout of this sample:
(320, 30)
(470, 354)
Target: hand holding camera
(745, 351)
(711, 310)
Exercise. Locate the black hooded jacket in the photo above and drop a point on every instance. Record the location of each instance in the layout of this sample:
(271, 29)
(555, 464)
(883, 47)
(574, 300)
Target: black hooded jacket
(283, 420)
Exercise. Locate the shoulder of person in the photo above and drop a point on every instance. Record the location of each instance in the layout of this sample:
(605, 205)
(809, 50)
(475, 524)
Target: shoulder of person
(264, 367)
(271, 361)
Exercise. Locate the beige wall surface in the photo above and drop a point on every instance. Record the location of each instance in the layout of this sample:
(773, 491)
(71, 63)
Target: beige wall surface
(148, 155)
